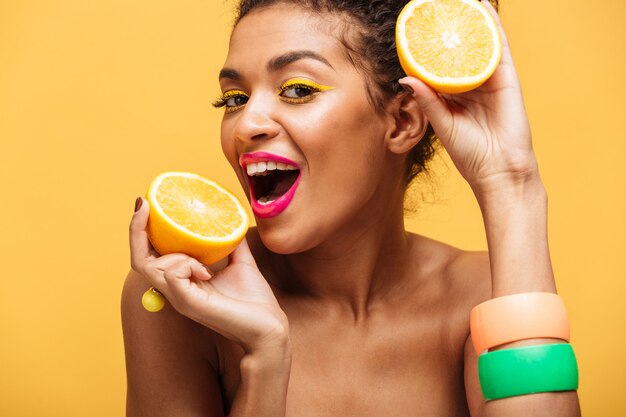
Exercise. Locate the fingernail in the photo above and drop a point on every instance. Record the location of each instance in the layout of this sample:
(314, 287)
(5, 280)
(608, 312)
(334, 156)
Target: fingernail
(407, 88)
(138, 203)
(211, 274)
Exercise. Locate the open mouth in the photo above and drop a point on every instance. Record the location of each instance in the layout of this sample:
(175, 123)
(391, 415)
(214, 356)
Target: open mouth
(272, 185)
(270, 180)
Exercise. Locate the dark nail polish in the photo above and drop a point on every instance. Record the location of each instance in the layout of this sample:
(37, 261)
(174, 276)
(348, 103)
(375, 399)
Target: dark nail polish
(209, 271)
(138, 203)
(407, 88)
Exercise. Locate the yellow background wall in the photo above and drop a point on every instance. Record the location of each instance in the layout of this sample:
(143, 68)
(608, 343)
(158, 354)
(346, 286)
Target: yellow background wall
(96, 98)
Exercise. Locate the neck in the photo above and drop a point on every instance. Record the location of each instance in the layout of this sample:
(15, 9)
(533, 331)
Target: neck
(354, 269)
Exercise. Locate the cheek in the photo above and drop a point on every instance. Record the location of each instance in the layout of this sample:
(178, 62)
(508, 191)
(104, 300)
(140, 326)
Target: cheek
(229, 150)
(348, 161)
(352, 137)
(228, 145)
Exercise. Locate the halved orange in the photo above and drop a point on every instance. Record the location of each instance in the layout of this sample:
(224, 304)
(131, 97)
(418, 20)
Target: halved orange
(193, 215)
(452, 45)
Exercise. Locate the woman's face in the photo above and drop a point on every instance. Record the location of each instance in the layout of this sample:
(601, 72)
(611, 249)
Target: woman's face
(299, 130)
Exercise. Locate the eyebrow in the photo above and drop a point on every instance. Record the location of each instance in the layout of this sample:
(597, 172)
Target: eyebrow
(279, 62)
(290, 57)
(229, 73)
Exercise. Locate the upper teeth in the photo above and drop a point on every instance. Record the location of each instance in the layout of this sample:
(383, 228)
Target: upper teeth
(258, 168)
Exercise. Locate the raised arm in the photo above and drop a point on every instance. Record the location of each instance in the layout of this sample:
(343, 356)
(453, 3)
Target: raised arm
(487, 136)
(172, 362)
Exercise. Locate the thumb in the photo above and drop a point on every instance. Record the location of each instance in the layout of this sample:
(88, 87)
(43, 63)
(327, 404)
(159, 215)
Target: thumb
(242, 254)
(432, 104)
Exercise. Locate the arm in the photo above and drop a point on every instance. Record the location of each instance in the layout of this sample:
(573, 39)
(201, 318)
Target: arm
(172, 361)
(167, 371)
(264, 381)
(487, 136)
(516, 227)
(547, 404)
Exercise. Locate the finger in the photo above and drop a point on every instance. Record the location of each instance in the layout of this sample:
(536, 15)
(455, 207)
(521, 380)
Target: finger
(432, 104)
(153, 251)
(191, 298)
(176, 272)
(506, 50)
(505, 74)
(186, 268)
(154, 270)
(140, 248)
(200, 301)
(493, 3)
(242, 254)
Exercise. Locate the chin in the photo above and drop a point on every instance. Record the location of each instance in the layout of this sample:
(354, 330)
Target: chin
(285, 241)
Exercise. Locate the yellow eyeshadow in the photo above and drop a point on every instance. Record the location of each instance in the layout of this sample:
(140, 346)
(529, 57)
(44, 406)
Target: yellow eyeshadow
(308, 83)
(233, 93)
(223, 101)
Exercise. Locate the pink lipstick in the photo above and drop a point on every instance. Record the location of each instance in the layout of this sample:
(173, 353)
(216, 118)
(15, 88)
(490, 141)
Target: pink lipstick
(272, 180)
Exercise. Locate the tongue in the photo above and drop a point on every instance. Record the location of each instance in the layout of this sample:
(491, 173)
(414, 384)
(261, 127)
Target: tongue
(281, 188)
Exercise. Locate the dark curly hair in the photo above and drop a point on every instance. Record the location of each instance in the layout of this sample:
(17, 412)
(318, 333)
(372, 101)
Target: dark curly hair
(372, 50)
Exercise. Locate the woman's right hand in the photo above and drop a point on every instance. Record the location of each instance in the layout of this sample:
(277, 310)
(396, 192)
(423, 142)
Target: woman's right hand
(236, 302)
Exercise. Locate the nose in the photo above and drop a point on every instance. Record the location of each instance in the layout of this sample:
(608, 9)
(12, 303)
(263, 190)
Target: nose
(255, 120)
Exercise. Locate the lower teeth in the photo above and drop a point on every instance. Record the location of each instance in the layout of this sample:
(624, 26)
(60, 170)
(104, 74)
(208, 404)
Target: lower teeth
(265, 200)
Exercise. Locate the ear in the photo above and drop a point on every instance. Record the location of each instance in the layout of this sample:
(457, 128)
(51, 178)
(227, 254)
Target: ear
(408, 126)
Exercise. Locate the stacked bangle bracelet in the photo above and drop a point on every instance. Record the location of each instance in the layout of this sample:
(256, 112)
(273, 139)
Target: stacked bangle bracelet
(518, 317)
(523, 370)
(527, 370)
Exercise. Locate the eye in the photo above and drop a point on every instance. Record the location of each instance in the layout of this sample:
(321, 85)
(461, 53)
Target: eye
(301, 90)
(236, 101)
(231, 100)
(297, 91)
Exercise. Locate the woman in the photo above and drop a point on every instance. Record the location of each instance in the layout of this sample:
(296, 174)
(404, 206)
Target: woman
(331, 307)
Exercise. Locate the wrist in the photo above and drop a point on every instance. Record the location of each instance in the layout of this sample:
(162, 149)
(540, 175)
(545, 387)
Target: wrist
(274, 355)
(515, 218)
(510, 172)
(499, 194)
(273, 364)
(264, 381)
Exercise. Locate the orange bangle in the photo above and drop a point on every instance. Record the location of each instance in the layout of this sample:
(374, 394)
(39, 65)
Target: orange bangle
(518, 317)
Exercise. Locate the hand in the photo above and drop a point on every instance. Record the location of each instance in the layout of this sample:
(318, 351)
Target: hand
(236, 302)
(486, 130)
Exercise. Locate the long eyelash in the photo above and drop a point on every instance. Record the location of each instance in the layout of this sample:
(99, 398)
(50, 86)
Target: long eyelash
(219, 102)
(303, 86)
(313, 87)
(309, 97)
(304, 83)
(223, 99)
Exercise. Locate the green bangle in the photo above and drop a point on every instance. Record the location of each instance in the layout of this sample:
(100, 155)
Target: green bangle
(526, 370)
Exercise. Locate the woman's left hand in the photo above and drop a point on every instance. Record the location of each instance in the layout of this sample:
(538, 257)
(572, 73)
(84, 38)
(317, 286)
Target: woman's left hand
(486, 130)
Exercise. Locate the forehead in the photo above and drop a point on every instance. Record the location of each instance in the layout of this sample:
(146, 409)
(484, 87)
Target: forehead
(270, 32)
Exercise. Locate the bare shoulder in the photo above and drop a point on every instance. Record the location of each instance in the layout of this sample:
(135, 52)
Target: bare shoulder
(470, 271)
(170, 360)
(465, 274)
(167, 322)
